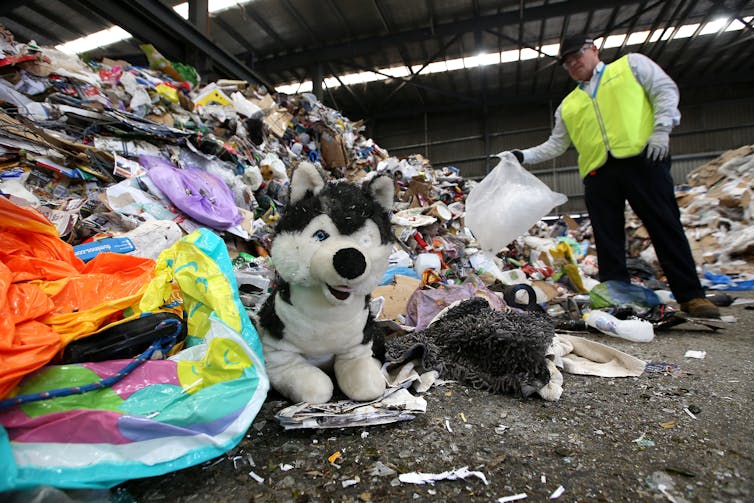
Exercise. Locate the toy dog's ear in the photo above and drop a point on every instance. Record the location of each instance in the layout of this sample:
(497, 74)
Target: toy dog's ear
(305, 178)
(382, 190)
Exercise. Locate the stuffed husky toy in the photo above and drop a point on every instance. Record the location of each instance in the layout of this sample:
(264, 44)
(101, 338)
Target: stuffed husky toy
(330, 250)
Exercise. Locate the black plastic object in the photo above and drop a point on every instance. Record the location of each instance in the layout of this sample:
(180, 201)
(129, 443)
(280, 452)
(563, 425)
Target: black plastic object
(509, 295)
(623, 312)
(255, 130)
(571, 325)
(125, 340)
(720, 299)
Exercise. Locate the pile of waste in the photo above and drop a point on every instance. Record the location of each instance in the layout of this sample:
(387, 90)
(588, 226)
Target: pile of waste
(182, 182)
(717, 211)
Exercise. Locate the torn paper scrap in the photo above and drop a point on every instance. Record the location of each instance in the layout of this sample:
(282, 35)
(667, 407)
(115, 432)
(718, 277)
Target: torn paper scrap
(513, 497)
(695, 354)
(431, 478)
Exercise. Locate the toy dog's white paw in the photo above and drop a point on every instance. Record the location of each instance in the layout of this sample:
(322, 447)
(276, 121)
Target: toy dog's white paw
(304, 383)
(360, 378)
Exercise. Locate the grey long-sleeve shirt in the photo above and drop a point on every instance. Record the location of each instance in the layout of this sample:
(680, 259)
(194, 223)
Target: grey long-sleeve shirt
(660, 88)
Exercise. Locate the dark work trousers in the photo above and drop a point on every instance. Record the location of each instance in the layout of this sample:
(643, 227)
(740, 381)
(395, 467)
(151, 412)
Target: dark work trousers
(648, 188)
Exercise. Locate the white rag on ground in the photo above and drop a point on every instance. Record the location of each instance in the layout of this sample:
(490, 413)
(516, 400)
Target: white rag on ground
(586, 357)
(577, 355)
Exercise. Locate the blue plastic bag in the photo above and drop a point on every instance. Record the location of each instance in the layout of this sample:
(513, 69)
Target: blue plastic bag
(722, 282)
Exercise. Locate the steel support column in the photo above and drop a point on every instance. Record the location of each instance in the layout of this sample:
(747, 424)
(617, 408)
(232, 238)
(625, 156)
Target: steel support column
(199, 17)
(317, 77)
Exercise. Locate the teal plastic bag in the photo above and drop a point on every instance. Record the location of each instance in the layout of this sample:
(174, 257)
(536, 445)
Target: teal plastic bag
(165, 415)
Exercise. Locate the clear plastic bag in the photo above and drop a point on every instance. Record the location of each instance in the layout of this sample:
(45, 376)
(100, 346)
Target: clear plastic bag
(506, 203)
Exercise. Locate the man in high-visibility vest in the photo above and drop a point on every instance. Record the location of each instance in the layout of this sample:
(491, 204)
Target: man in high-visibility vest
(619, 119)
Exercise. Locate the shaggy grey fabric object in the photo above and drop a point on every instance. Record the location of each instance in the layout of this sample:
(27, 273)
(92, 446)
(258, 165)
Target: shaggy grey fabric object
(499, 351)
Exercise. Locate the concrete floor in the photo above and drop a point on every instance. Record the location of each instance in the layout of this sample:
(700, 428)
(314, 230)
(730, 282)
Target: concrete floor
(684, 434)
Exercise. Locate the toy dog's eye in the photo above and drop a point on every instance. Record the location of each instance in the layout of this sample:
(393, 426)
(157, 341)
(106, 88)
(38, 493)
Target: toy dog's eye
(320, 235)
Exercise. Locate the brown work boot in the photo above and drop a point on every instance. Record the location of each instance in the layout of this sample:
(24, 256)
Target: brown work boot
(700, 308)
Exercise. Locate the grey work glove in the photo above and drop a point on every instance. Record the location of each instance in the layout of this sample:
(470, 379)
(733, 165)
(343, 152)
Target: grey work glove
(658, 144)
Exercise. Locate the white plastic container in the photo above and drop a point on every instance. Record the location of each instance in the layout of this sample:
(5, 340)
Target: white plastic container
(633, 330)
(426, 261)
(514, 277)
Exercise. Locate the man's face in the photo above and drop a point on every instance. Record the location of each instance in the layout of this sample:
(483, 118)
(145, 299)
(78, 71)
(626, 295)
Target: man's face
(580, 64)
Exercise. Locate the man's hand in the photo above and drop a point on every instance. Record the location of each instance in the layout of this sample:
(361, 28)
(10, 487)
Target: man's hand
(658, 144)
(516, 153)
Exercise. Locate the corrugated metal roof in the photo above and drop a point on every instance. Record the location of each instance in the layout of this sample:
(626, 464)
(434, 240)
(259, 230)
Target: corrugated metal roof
(285, 41)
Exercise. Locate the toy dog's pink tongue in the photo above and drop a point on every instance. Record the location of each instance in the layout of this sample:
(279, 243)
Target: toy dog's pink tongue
(340, 293)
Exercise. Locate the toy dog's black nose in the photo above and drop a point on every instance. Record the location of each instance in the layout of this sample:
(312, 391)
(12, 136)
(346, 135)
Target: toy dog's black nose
(349, 263)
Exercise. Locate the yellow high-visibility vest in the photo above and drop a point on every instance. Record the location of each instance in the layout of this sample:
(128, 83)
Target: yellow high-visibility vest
(619, 119)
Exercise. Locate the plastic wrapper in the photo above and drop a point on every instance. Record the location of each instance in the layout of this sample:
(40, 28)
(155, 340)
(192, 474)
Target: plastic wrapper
(635, 330)
(25, 345)
(506, 203)
(159, 62)
(26, 106)
(273, 168)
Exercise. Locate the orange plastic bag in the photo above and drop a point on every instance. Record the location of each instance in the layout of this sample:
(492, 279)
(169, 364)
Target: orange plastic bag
(24, 346)
(49, 297)
(98, 295)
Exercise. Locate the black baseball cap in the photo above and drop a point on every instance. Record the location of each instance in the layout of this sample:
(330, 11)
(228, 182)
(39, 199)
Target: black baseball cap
(572, 44)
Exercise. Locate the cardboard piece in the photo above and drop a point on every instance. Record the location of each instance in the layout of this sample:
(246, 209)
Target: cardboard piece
(708, 174)
(730, 194)
(641, 233)
(549, 290)
(333, 150)
(703, 246)
(266, 103)
(277, 121)
(571, 223)
(418, 193)
(396, 296)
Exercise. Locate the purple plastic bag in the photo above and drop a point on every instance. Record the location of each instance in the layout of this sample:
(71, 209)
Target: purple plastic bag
(425, 304)
(200, 195)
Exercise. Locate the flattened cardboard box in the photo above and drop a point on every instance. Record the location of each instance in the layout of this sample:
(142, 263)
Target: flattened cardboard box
(278, 121)
(333, 150)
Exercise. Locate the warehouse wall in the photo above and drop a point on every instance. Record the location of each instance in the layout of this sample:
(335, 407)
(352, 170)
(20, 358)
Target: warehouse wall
(466, 139)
